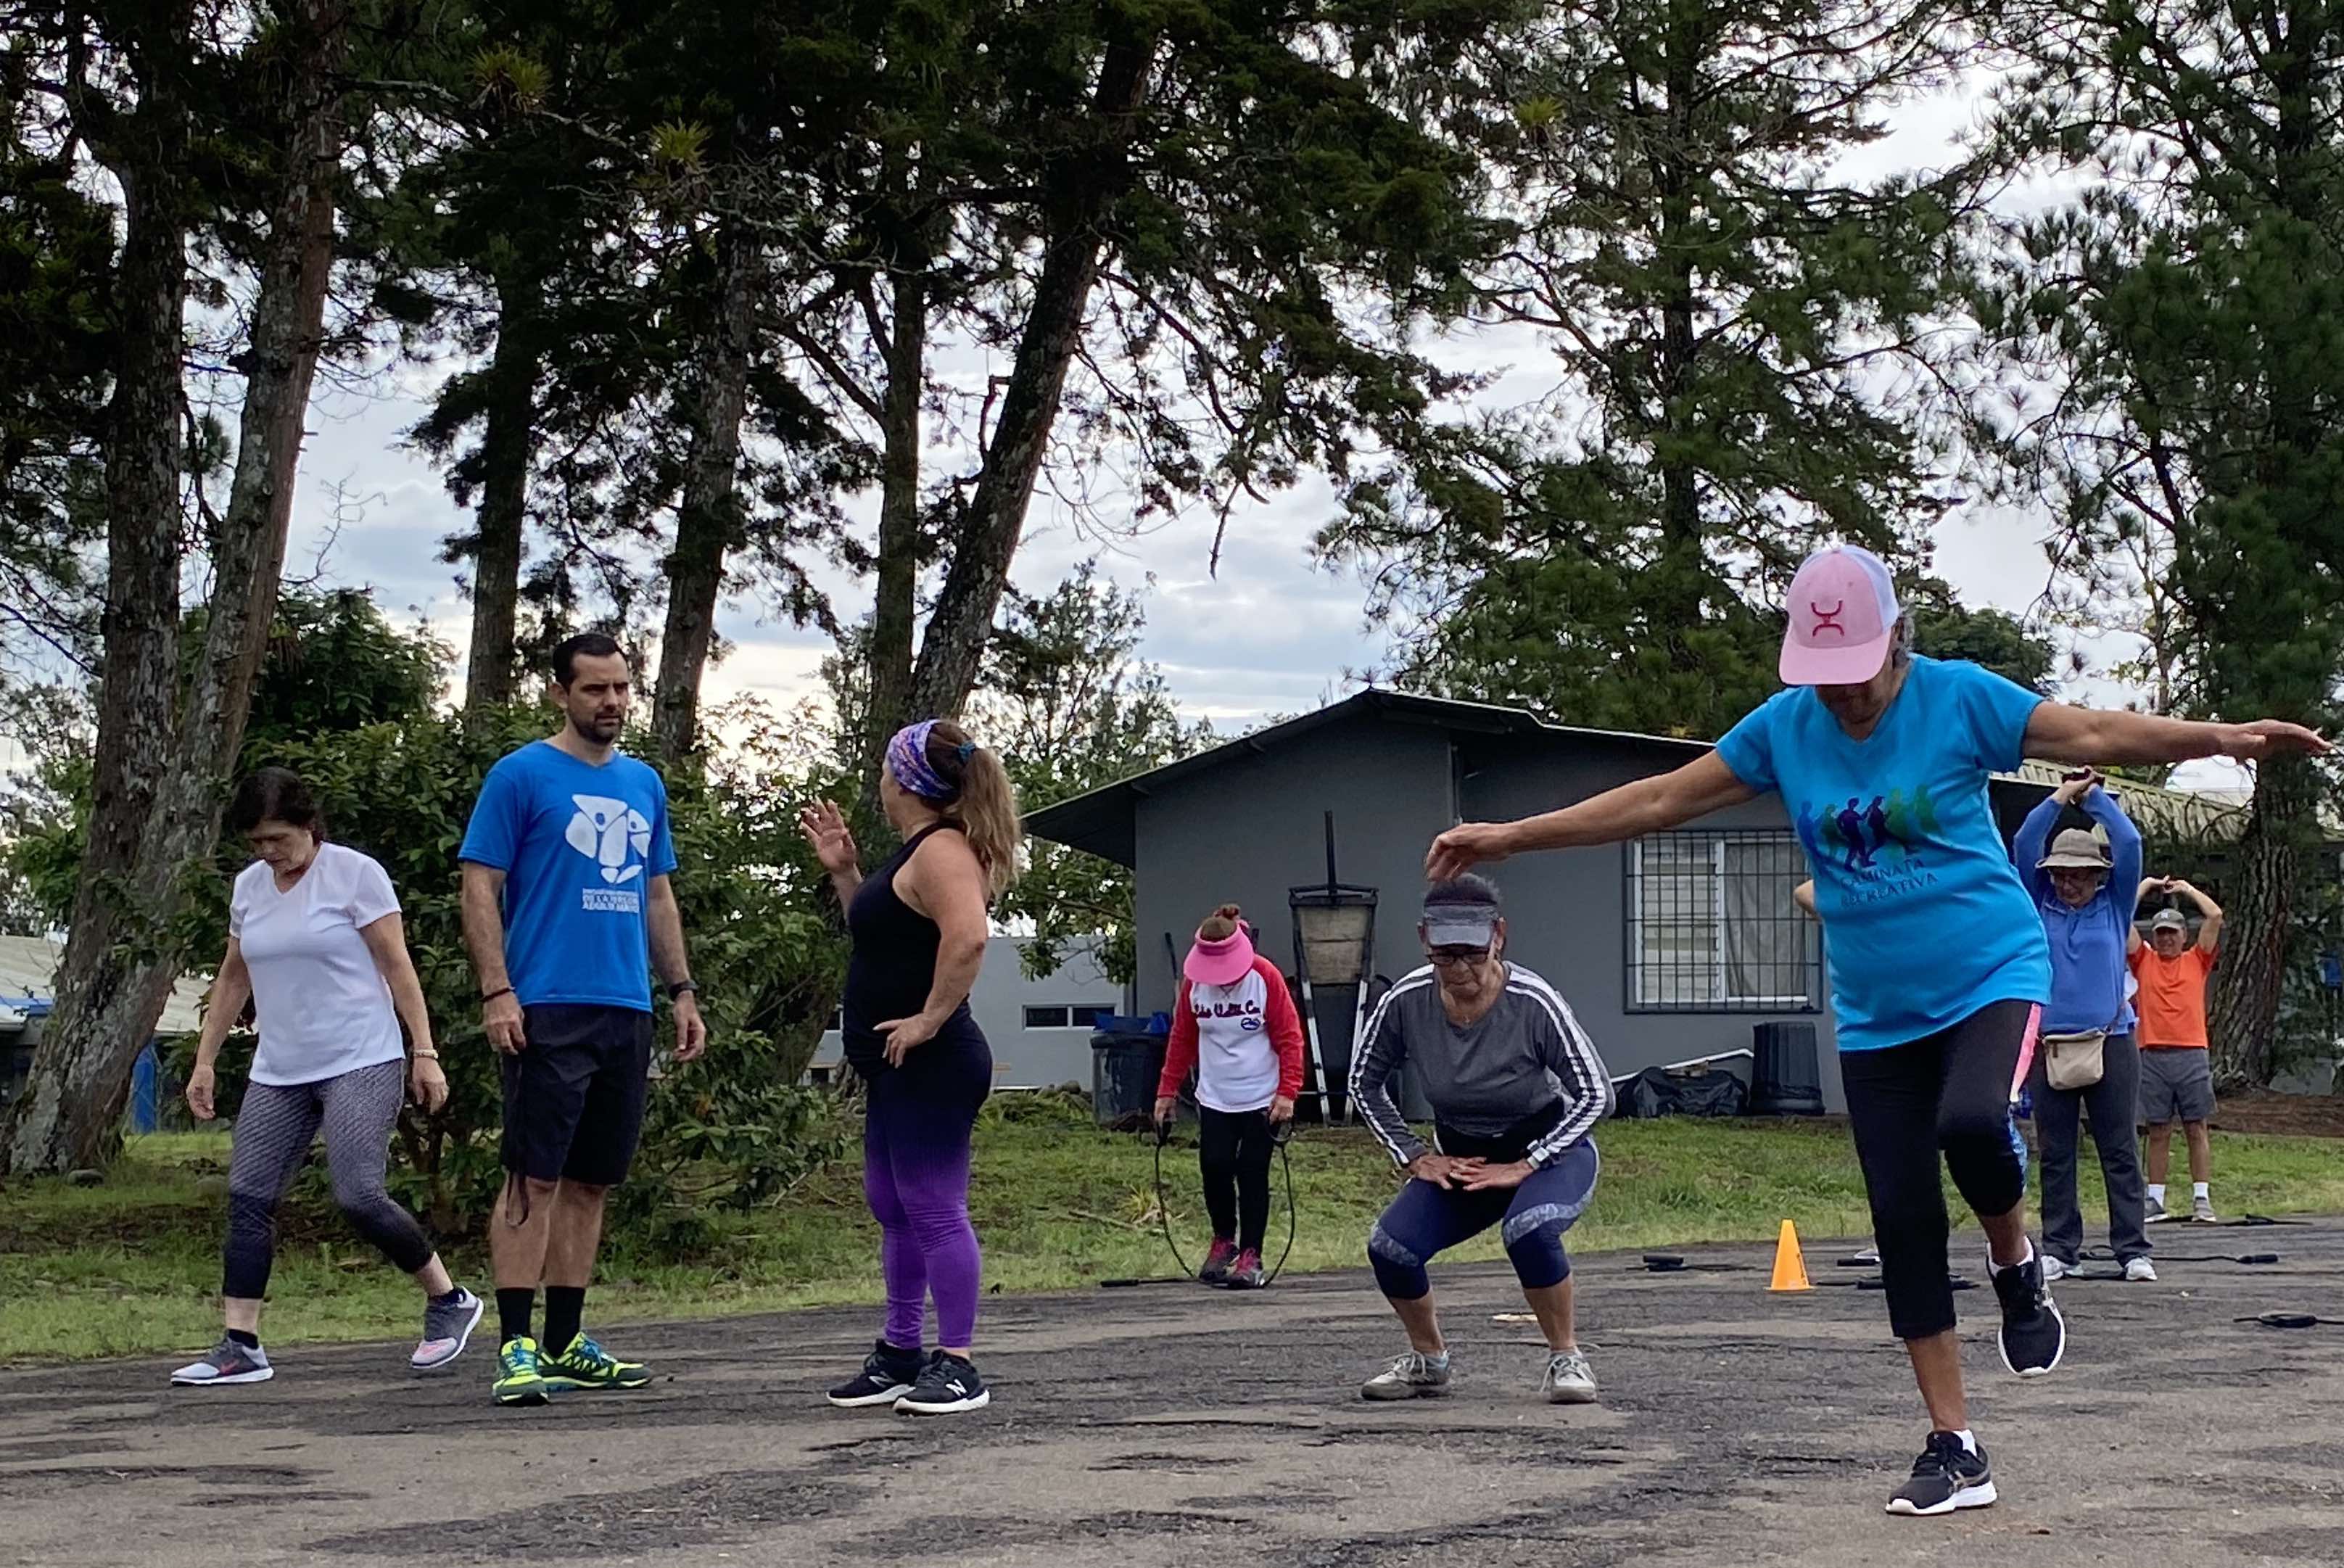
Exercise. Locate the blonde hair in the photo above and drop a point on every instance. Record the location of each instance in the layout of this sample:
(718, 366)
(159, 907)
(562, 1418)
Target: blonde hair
(1222, 924)
(984, 803)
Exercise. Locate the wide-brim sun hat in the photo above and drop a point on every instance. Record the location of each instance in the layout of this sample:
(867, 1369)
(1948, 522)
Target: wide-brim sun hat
(2076, 849)
(1842, 619)
(1221, 963)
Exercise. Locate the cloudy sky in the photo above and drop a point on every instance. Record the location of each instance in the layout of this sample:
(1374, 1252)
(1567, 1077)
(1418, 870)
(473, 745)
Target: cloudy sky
(1268, 633)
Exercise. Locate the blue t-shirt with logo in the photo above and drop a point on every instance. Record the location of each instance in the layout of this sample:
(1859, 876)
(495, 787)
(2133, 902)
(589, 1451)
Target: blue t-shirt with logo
(1925, 918)
(578, 844)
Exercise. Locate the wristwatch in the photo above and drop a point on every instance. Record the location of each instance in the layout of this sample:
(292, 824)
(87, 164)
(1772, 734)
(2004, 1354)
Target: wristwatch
(679, 988)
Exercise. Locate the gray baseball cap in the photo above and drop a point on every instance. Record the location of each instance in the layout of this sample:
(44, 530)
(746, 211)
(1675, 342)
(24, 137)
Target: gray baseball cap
(2170, 920)
(1463, 912)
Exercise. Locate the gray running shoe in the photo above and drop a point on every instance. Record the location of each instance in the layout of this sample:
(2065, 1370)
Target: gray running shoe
(2202, 1210)
(228, 1362)
(2156, 1214)
(1412, 1376)
(446, 1331)
(1569, 1380)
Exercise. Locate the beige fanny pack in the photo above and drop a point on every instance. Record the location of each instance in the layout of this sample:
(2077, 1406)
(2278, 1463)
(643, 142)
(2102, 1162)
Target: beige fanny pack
(2074, 1061)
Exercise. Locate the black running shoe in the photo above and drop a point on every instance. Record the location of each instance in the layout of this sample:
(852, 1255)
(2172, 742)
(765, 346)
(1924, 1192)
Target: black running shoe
(1945, 1477)
(948, 1386)
(887, 1375)
(2034, 1335)
(1246, 1273)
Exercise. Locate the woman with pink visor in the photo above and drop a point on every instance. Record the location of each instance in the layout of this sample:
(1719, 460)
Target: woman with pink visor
(1235, 1028)
(1938, 964)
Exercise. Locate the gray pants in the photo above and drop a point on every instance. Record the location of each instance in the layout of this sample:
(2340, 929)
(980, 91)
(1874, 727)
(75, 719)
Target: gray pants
(273, 1133)
(2111, 1103)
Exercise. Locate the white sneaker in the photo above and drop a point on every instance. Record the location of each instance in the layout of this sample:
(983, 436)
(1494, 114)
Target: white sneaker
(229, 1363)
(1411, 1376)
(2140, 1271)
(2052, 1269)
(1569, 1380)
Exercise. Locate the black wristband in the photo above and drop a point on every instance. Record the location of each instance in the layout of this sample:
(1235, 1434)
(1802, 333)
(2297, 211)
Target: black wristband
(679, 988)
(500, 991)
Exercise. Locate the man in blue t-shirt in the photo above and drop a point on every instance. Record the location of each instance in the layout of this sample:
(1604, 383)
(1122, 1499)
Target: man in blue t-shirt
(1938, 964)
(567, 909)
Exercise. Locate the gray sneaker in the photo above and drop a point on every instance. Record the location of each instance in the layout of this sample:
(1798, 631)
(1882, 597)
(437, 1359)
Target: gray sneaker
(1410, 1377)
(1569, 1380)
(2156, 1214)
(446, 1330)
(2202, 1210)
(228, 1362)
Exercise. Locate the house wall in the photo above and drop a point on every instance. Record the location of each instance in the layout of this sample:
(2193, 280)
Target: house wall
(1024, 1058)
(1567, 911)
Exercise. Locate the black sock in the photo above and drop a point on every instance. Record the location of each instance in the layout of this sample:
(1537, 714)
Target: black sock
(565, 1306)
(244, 1337)
(513, 1311)
(455, 1294)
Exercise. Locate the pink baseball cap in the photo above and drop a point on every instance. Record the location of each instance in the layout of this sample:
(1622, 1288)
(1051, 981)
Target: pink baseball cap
(1221, 963)
(1843, 611)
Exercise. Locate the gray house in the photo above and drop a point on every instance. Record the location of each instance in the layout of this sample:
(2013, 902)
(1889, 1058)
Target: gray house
(1671, 949)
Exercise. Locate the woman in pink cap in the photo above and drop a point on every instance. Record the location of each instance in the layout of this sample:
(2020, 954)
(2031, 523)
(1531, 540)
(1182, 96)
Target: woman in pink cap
(1939, 967)
(1235, 1025)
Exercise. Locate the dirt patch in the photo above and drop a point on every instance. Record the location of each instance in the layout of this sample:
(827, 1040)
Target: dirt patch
(2290, 1115)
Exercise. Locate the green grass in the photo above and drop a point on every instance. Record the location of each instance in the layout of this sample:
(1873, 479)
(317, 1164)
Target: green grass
(132, 1267)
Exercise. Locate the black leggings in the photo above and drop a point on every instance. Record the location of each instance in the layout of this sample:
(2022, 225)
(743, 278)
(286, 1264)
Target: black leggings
(1233, 1151)
(1952, 1091)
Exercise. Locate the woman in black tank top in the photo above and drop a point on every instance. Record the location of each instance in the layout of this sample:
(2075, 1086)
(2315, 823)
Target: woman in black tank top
(919, 926)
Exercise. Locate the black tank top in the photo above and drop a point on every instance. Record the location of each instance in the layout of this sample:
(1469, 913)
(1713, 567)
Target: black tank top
(892, 964)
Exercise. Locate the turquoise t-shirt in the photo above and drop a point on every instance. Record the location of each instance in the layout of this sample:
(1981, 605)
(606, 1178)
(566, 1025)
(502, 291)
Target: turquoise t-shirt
(1926, 920)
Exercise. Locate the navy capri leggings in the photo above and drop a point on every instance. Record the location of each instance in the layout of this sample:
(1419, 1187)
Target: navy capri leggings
(1425, 1221)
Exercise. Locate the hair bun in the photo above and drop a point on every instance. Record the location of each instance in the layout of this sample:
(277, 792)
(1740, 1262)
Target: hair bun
(1229, 911)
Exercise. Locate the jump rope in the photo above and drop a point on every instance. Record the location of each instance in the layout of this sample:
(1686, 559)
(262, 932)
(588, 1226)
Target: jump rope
(1280, 1135)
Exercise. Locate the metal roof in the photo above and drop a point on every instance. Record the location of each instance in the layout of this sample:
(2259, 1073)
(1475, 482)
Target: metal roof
(1102, 822)
(28, 968)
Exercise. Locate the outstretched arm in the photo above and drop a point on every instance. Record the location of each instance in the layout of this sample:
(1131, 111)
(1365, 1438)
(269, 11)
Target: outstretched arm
(2060, 734)
(1632, 810)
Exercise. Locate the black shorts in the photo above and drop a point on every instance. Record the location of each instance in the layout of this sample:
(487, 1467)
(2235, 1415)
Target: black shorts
(574, 1094)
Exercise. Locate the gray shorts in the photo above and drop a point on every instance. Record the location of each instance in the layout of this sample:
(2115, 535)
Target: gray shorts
(2175, 1086)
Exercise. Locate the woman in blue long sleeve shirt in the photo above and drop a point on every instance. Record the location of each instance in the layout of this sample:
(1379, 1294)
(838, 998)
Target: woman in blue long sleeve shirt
(2085, 896)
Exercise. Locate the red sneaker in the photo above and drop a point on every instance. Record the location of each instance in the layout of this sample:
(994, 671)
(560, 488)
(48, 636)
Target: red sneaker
(1215, 1270)
(1246, 1273)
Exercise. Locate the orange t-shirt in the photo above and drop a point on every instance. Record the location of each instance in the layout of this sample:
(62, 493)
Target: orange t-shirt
(2172, 999)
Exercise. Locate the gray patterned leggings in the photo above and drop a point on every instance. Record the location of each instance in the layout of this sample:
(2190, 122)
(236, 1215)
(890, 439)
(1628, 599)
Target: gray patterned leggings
(273, 1133)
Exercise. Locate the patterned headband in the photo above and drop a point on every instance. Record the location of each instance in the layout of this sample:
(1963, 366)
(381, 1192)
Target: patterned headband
(907, 762)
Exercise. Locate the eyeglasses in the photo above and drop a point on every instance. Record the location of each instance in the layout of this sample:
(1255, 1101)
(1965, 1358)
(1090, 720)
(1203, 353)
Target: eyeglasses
(1458, 957)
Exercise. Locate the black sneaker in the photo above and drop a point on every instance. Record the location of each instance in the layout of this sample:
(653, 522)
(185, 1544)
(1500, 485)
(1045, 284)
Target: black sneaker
(948, 1386)
(1945, 1477)
(1246, 1273)
(887, 1375)
(2034, 1335)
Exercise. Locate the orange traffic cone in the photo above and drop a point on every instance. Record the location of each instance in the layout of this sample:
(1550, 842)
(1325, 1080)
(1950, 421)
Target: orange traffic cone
(1789, 1264)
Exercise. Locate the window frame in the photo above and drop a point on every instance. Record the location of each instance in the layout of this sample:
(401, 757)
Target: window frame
(1637, 970)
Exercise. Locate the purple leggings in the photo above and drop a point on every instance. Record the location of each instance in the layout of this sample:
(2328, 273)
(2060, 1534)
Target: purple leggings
(916, 1139)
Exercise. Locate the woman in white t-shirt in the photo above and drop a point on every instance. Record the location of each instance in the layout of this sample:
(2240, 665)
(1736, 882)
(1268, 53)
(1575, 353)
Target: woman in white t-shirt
(1235, 1025)
(315, 940)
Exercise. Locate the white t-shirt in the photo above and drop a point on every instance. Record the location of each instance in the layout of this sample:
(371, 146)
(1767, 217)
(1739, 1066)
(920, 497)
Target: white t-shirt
(322, 1007)
(1237, 1064)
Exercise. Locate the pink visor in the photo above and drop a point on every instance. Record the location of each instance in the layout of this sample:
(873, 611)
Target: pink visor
(1222, 962)
(1843, 613)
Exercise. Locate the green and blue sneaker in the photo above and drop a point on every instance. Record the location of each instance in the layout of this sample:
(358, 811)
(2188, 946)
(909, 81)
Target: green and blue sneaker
(521, 1380)
(587, 1365)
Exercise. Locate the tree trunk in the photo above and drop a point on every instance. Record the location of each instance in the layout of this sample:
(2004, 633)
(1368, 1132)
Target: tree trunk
(156, 795)
(708, 524)
(900, 546)
(506, 443)
(2258, 906)
(987, 540)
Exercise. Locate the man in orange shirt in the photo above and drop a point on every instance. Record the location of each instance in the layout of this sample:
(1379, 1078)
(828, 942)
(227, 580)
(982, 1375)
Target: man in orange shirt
(2177, 1079)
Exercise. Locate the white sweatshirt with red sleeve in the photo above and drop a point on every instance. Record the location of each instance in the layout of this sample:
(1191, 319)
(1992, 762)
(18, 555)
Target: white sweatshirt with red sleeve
(1244, 1041)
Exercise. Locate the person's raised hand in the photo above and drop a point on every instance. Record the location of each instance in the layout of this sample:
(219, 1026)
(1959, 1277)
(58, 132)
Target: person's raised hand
(825, 830)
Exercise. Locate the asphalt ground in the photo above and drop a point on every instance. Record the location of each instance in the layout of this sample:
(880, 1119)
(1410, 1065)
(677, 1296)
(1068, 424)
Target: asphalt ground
(1176, 1425)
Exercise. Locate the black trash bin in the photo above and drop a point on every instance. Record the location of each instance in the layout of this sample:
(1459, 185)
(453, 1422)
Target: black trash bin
(1125, 1066)
(1784, 1079)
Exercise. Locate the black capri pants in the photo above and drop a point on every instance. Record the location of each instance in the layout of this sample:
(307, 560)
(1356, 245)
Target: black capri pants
(1951, 1092)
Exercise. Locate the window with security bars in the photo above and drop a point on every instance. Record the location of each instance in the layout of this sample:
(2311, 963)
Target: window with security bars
(1711, 927)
